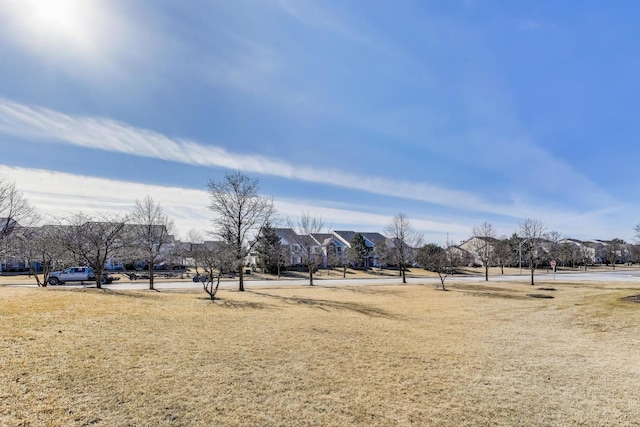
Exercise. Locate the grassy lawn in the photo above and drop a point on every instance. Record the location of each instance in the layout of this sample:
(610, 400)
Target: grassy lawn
(480, 354)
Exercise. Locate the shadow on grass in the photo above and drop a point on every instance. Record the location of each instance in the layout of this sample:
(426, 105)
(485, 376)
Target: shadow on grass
(632, 298)
(364, 290)
(327, 305)
(137, 294)
(226, 303)
(488, 291)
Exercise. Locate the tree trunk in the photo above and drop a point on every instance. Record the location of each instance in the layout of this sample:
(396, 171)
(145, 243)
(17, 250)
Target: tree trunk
(532, 270)
(151, 277)
(486, 273)
(404, 275)
(241, 278)
(310, 275)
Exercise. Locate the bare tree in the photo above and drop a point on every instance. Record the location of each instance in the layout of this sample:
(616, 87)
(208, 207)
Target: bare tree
(554, 238)
(533, 232)
(586, 253)
(152, 233)
(15, 214)
(333, 258)
(14, 209)
(483, 243)
(240, 213)
(40, 247)
(444, 261)
(502, 252)
(568, 253)
(403, 242)
(613, 251)
(310, 252)
(93, 240)
(217, 259)
(342, 259)
(192, 253)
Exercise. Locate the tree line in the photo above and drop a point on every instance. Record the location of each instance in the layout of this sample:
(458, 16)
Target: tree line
(242, 223)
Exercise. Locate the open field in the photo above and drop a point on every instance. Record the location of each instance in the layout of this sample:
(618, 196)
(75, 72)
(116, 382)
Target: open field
(480, 354)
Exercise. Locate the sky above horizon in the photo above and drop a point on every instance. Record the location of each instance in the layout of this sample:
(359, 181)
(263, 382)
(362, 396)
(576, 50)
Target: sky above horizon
(452, 112)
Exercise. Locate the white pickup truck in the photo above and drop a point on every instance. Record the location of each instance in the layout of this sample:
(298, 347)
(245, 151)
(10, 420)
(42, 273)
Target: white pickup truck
(76, 274)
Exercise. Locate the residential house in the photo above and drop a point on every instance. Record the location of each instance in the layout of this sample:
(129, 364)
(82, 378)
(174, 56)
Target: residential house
(371, 239)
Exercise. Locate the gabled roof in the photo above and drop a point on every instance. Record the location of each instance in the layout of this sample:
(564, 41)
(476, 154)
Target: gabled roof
(488, 239)
(345, 236)
(371, 238)
(322, 238)
(287, 235)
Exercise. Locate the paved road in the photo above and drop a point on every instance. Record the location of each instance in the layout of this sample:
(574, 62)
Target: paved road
(609, 276)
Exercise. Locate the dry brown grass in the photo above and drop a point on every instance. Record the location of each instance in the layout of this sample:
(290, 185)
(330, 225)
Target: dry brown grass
(361, 355)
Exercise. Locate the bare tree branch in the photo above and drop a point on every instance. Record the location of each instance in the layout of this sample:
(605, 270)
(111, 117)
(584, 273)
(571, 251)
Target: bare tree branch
(240, 213)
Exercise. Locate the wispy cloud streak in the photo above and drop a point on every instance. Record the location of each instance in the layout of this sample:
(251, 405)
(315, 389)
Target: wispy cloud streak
(114, 136)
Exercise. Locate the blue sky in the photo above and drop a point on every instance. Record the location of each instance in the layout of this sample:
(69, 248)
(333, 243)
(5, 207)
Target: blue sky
(453, 112)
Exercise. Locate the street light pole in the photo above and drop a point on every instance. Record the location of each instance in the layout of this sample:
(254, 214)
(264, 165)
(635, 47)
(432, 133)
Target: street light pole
(520, 253)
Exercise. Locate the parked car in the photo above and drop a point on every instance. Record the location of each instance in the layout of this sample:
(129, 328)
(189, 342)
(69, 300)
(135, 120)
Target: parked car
(77, 274)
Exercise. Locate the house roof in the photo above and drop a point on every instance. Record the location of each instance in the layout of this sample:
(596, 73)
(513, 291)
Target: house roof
(322, 238)
(371, 238)
(345, 236)
(287, 235)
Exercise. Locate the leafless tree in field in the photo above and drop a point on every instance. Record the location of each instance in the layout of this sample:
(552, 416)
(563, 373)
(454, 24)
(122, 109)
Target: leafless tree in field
(554, 238)
(195, 238)
(568, 253)
(533, 233)
(240, 213)
(14, 209)
(586, 254)
(217, 258)
(613, 251)
(502, 252)
(444, 261)
(39, 246)
(151, 233)
(484, 243)
(310, 251)
(93, 239)
(404, 240)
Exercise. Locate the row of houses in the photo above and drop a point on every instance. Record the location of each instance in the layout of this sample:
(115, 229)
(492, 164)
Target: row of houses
(323, 246)
(564, 251)
(337, 243)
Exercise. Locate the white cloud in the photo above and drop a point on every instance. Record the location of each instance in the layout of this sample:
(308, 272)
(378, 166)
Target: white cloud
(113, 136)
(58, 194)
(66, 193)
(109, 135)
